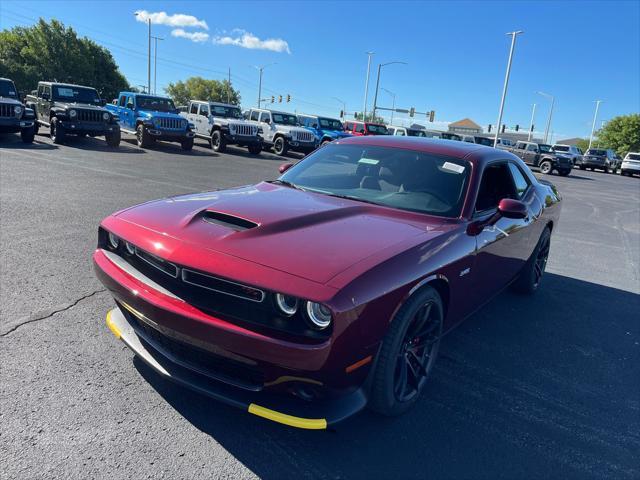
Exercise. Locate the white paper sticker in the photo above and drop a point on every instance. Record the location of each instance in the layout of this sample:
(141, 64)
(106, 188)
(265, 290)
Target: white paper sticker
(65, 92)
(369, 161)
(453, 167)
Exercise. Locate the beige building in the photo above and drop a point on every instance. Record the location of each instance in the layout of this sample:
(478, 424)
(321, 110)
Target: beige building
(465, 126)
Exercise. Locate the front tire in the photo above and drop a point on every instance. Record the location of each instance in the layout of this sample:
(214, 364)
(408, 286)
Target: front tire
(187, 144)
(255, 149)
(27, 135)
(113, 139)
(531, 275)
(280, 146)
(142, 136)
(408, 353)
(546, 167)
(56, 131)
(218, 143)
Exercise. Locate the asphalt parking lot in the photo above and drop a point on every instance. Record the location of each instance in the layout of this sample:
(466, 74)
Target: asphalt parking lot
(529, 387)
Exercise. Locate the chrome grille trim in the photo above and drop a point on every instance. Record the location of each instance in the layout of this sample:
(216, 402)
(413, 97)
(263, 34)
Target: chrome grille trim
(302, 136)
(170, 123)
(6, 110)
(94, 116)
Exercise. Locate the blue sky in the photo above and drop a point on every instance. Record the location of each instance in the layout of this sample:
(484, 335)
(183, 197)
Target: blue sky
(456, 53)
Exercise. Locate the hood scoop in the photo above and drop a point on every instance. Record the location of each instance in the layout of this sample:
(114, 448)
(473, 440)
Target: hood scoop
(229, 221)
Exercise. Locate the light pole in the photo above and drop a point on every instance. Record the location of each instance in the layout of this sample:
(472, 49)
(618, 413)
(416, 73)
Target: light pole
(260, 69)
(533, 114)
(344, 105)
(506, 83)
(366, 88)
(155, 62)
(375, 97)
(148, 56)
(553, 101)
(393, 106)
(593, 126)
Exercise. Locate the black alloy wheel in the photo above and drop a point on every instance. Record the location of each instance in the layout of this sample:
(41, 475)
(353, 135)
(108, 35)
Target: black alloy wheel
(540, 263)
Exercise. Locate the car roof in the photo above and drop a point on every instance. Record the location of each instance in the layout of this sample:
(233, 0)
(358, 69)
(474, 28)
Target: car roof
(8, 79)
(145, 94)
(219, 104)
(66, 84)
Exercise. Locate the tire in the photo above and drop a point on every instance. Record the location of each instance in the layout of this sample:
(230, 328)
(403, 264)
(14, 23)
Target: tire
(255, 149)
(606, 169)
(36, 127)
(187, 144)
(546, 167)
(280, 146)
(564, 173)
(142, 136)
(113, 139)
(582, 167)
(56, 131)
(401, 357)
(218, 143)
(324, 142)
(26, 135)
(533, 271)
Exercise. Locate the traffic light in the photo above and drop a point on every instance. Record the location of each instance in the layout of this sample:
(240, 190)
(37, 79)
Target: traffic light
(273, 99)
(288, 98)
(412, 111)
(279, 98)
(517, 127)
(504, 127)
(341, 113)
(532, 126)
(432, 115)
(489, 129)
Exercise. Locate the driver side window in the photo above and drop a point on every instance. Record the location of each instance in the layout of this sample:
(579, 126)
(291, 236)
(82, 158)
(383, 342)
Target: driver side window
(265, 117)
(496, 184)
(254, 115)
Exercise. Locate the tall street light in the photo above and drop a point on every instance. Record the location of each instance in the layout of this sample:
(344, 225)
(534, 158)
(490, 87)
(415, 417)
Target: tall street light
(366, 88)
(593, 126)
(533, 114)
(375, 98)
(260, 69)
(155, 62)
(148, 56)
(506, 83)
(344, 105)
(553, 101)
(393, 106)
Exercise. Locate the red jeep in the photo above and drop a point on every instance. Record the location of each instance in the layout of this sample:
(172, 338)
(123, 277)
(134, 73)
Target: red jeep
(365, 128)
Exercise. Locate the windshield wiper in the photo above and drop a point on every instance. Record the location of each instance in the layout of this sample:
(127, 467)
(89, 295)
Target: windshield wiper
(286, 184)
(351, 197)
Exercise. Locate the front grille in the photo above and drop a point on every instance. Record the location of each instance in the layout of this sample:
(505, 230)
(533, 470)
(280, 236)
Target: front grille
(170, 123)
(244, 130)
(303, 136)
(93, 116)
(6, 110)
(159, 263)
(197, 359)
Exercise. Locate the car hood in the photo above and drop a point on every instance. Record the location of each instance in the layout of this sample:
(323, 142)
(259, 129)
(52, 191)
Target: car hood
(84, 106)
(310, 235)
(156, 114)
(10, 100)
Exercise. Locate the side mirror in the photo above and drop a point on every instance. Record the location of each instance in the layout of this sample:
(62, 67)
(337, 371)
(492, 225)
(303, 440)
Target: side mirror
(267, 120)
(510, 208)
(45, 96)
(285, 166)
(103, 102)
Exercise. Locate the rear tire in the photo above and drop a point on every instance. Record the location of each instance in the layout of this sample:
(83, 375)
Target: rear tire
(546, 167)
(531, 275)
(56, 131)
(280, 146)
(564, 173)
(218, 143)
(408, 353)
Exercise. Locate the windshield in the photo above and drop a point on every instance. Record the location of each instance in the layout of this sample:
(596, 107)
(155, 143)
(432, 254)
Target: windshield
(8, 89)
(634, 156)
(392, 177)
(284, 119)
(416, 133)
(158, 104)
(377, 129)
(600, 153)
(560, 148)
(330, 124)
(226, 112)
(545, 148)
(75, 94)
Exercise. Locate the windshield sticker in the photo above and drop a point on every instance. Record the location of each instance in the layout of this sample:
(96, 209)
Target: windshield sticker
(65, 92)
(453, 167)
(369, 161)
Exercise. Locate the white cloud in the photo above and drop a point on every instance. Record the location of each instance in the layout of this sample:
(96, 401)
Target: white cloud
(193, 36)
(250, 41)
(176, 20)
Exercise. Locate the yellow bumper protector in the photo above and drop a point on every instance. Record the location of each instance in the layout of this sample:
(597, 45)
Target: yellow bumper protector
(308, 423)
(112, 326)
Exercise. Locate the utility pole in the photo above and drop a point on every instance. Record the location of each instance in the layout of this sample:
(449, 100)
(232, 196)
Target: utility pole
(261, 69)
(149, 59)
(344, 105)
(366, 88)
(155, 62)
(533, 114)
(593, 126)
(553, 101)
(506, 83)
(393, 106)
(229, 88)
(375, 97)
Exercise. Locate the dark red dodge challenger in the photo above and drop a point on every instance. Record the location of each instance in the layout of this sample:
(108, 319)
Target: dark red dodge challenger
(306, 298)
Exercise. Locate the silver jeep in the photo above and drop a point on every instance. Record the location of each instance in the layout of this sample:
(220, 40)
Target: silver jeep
(282, 132)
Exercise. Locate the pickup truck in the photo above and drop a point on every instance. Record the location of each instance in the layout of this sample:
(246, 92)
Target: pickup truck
(14, 116)
(542, 156)
(327, 129)
(67, 109)
(281, 131)
(222, 124)
(151, 118)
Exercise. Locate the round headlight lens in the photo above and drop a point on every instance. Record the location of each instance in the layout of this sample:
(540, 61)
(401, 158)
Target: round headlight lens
(113, 241)
(287, 303)
(131, 250)
(319, 315)
(73, 113)
(105, 116)
(17, 110)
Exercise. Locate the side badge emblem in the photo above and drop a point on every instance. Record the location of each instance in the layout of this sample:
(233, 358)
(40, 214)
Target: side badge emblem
(465, 271)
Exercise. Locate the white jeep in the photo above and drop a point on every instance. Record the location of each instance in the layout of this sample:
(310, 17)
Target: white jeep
(222, 124)
(281, 131)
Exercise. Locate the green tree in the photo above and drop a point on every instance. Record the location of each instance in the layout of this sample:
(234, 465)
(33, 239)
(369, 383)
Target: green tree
(622, 134)
(370, 118)
(583, 144)
(198, 88)
(49, 51)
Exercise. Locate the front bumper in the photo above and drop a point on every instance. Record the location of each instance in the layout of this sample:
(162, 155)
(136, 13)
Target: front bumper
(242, 139)
(92, 129)
(593, 163)
(13, 125)
(171, 135)
(305, 147)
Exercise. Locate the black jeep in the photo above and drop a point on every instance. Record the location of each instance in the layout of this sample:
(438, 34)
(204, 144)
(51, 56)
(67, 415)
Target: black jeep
(14, 116)
(73, 110)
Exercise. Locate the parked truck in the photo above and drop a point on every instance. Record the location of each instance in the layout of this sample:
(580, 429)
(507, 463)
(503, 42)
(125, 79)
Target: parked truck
(325, 128)
(67, 109)
(281, 131)
(151, 118)
(543, 156)
(14, 116)
(222, 124)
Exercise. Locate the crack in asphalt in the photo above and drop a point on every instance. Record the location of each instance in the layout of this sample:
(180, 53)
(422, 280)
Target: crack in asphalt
(45, 314)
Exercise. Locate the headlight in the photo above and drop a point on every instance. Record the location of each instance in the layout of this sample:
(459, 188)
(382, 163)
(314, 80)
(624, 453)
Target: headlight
(260, 130)
(286, 303)
(17, 110)
(105, 116)
(113, 241)
(319, 315)
(73, 114)
(131, 250)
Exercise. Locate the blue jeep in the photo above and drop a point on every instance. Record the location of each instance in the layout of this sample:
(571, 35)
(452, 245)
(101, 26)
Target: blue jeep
(327, 129)
(151, 118)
